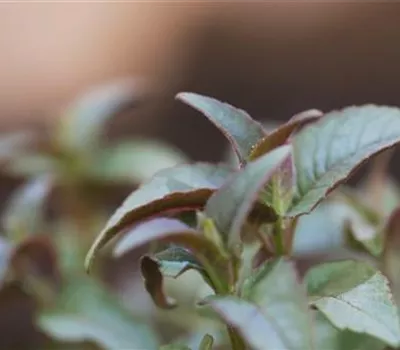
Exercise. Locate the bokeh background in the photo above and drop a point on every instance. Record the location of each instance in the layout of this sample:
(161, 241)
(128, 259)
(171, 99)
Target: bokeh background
(272, 59)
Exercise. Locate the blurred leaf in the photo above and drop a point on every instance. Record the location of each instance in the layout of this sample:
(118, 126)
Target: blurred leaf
(326, 152)
(230, 205)
(86, 311)
(391, 252)
(34, 263)
(24, 214)
(239, 128)
(207, 342)
(13, 144)
(32, 165)
(81, 128)
(203, 250)
(330, 338)
(6, 248)
(354, 296)
(182, 188)
(279, 136)
(153, 282)
(275, 290)
(135, 161)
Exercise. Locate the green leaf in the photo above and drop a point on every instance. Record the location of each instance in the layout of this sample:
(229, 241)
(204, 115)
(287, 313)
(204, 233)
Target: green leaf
(275, 289)
(354, 296)
(230, 205)
(86, 311)
(279, 136)
(253, 325)
(326, 152)
(331, 338)
(153, 282)
(135, 161)
(185, 187)
(279, 191)
(204, 251)
(175, 260)
(207, 342)
(32, 165)
(24, 214)
(239, 128)
(81, 127)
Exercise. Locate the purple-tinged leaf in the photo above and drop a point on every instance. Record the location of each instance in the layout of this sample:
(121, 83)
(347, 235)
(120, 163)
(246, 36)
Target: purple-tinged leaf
(355, 296)
(129, 239)
(280, 136)
(229, 206)
(239, 128)
(329, 150)
(182, 188)
(153, 282)
(205, 253)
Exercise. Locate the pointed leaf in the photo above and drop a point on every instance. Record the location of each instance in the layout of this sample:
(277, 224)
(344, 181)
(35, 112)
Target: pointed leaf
(277, 292)
(203, 250)
(330, 338)
(230, 205)
(239, 128)
(326, 152)
(82, 125)
(129, 240)
(175, 260)
(254, 326)
(135, 161)
(279, 136)
(153, 282)
(86, 311)
(24, 214)
(279, 191)
(176, 189)
(354, 296)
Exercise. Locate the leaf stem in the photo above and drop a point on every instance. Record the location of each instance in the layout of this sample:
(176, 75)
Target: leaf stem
(278, 237)
(237, 342)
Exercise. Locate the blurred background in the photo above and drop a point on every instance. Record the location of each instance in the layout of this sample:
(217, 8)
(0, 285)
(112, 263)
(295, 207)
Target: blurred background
(272, 59)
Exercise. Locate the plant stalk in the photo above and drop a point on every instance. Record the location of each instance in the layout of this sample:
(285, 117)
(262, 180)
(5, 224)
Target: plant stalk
(237, 342)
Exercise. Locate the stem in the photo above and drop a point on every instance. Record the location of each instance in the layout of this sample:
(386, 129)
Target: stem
(278, 237)
(237, 342)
